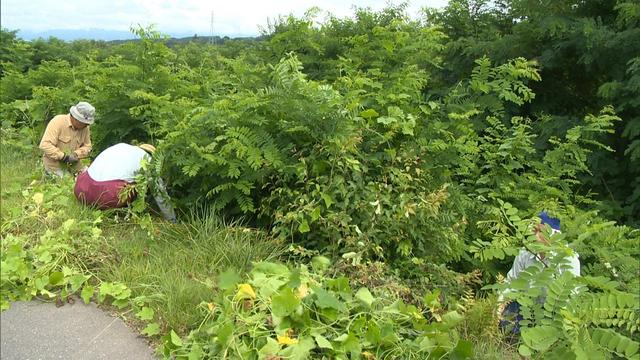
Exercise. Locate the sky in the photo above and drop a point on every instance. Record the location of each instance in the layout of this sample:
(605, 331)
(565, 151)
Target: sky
(236, 17)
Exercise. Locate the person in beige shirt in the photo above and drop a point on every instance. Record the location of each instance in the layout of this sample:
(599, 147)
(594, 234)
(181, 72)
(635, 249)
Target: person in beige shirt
(67, 139)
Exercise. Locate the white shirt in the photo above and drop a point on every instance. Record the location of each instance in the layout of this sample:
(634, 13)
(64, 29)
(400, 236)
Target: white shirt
(526, 259)
(118, 162)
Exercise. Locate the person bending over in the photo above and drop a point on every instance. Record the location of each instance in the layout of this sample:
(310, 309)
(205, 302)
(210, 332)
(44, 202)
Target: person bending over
(112, 170)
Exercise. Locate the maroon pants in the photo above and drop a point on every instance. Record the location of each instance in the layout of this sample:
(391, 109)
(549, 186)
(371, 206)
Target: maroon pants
(101, 194)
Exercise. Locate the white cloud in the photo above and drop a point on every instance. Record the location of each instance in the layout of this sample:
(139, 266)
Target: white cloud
(186, 16)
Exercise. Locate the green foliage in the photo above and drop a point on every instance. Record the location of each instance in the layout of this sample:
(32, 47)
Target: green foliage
(27, 273)
(587, 53)
(425, 144)
(508, 176)
(135, 90)
(360, 164)
(571, 321)
(299, 313)
(55, 265)
(563, 315)
(32, 99)
(14, 53)
(606, 250)
(43, 264)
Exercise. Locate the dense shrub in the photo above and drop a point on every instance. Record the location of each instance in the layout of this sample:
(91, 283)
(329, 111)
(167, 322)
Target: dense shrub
(382, 138)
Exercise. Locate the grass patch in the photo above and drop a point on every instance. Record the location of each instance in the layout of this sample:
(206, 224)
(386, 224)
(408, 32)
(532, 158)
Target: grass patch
(480, 326)
(177, 265)
(16, 168)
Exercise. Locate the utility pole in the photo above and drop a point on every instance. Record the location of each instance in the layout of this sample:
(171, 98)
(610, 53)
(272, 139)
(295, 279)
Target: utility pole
(211, 41)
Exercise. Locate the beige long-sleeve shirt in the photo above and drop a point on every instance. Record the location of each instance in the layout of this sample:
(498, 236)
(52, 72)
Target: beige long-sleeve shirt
(61, 137)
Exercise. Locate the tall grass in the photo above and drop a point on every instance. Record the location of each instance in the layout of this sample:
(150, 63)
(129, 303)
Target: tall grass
(177, 267)
(480, 326)
(16, 172)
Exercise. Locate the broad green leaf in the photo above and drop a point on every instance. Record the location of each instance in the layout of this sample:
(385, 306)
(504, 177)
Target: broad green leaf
(342, 338)
(285, 302)
(373, 333)
(432, 299)
(524, 351)
(364, 295)
(320, 263)
(369, 113)
(117, 290)
(270, 268)
(299, 351)
(269, 349)
(329, 315)
(541, 337)
(631, 349)
(225, 333)
(426, 344)
(451, 319)
(340, 285)
(303, 227)
(267, 285)
(325, 299)
(389, 336)
(151, 329)
(56, 278)
(352, 344)
(315, 214)
(294, 278)
(41, 282)
(87, 293)
(387, 120)
(175, 339)
(228, 279)
(77, 280)
(120, 303)
(322, 342)
(463, 350)
(328, 201)
(195, 353)
(145, 314)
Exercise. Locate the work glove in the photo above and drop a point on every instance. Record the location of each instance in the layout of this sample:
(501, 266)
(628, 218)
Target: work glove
(70, 159)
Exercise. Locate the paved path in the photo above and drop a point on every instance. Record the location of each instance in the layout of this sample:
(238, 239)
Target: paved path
(36, 330)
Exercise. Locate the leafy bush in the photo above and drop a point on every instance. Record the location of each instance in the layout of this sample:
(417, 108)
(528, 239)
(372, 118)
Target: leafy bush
(377, 138)
(571, 321)
(563, 315)
(299, 313)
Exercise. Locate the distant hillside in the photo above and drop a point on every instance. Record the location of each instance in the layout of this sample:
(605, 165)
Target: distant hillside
(106, 35)
(198, 39)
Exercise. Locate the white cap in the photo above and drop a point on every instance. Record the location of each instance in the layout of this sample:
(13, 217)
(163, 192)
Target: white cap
(83, 112)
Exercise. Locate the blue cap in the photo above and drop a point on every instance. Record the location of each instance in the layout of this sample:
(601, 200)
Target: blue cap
(554, 223)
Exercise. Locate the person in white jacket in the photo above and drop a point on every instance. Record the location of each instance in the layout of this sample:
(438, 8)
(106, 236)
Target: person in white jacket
(112, 170)
(510, 312)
